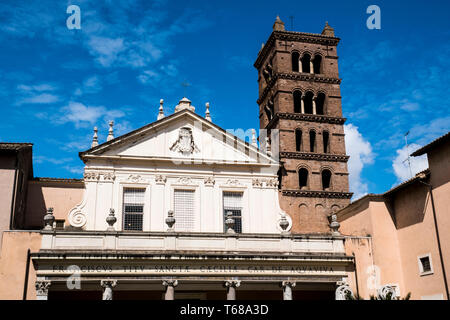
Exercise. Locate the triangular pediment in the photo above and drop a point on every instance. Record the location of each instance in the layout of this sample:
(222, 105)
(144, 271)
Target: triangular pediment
(182, 135)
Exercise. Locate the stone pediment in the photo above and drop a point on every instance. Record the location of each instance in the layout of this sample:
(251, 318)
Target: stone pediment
(182, 135)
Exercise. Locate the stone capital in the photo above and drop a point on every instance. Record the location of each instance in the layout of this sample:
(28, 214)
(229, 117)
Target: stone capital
(170, 283)
(108, 283)
(42, 287)
(232, 283)
(288, 283)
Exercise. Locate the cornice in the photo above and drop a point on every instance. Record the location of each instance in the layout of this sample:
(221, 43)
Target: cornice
(311, 118)
(315, 156)
(317, 194)
(293, 36)
(296, 77)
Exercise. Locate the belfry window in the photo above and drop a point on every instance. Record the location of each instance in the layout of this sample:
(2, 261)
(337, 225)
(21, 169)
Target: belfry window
(232, 202)
(297, 101)
(295, 61)
(303, 178)
(133, 208)
(326, 142)
(320, 102)
(312, 141)
(317, 63)
(326, 179)
(298, 140)
(184, 210)
(305, 60)
(308, 102)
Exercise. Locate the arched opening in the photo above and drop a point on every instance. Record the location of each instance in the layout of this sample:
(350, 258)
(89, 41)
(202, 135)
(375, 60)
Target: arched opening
(326, 179)
(298, 140)
(303, 178)
(320, 103)
(305, 60)
(317, 63)
(308, 102)
(295, 61)
(326, 142)
(312, 141)
(297, 101)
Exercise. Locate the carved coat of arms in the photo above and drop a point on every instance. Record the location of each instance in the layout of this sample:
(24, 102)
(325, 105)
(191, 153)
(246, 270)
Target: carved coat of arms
(185, 142)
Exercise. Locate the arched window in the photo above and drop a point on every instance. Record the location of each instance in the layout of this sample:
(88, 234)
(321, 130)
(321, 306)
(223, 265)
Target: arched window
(305, 63)
(312, 141)
(326, 179)
(317, 63)
(308, 102)
(298, 140)
(326, 142)
(297, 101)
(303, 178)
(320, 102)
(295, 61)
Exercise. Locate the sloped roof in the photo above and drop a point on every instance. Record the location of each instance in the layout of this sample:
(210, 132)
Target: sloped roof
(14, 146)
(431, 145)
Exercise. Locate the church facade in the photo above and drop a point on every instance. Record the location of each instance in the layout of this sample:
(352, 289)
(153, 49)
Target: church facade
(183, 209)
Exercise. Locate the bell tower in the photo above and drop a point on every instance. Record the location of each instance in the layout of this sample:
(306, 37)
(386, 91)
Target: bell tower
(299, 95)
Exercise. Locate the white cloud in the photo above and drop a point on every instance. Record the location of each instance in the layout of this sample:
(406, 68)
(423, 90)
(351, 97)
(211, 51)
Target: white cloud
(39, 99)
(401, 166)
(360, 152)
(82, 115)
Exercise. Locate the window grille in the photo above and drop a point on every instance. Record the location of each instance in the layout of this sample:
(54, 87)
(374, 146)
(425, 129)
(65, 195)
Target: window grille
(133, 208)
(232, 202)
(426, 265)
(184, 210)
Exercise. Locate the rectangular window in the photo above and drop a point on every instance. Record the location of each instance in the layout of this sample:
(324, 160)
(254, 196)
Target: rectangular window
(184, 210)
(133, 208)
(425, 265)
(232, 202)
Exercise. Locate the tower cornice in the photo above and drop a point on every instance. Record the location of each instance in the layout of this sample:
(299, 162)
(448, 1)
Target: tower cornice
(317, 194)
(305, 117)
(314, 156)
(293, 36)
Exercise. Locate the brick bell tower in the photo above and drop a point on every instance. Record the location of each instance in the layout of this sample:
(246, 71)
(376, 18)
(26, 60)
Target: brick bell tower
(299, 94)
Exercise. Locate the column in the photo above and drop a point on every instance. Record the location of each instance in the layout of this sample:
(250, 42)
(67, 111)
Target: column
(302, 104)
(108, 286)
(231, 286)
(300, 65)
(287, 289)
(314, 104)
(311, 66)
(42, 287)
(170, 289)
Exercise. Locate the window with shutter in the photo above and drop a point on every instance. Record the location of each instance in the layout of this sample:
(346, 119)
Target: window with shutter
(184, 210)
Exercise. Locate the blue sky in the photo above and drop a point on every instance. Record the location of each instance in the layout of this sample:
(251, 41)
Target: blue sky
(56, 84)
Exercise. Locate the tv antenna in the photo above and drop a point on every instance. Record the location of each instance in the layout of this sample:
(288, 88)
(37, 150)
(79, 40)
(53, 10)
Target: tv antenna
(407, 151)
(291, 18)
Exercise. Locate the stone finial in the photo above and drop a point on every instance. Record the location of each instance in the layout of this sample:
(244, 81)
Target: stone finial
(49, 219)
(284, 223)
(254, 143)
(278, 25)
(327, 30)
(110, 220)
(334, 225)
(184, 103)
(207, 114)
(161, 110)
(95, 138)
(110, 131)
(170, 220)
(229, 222)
